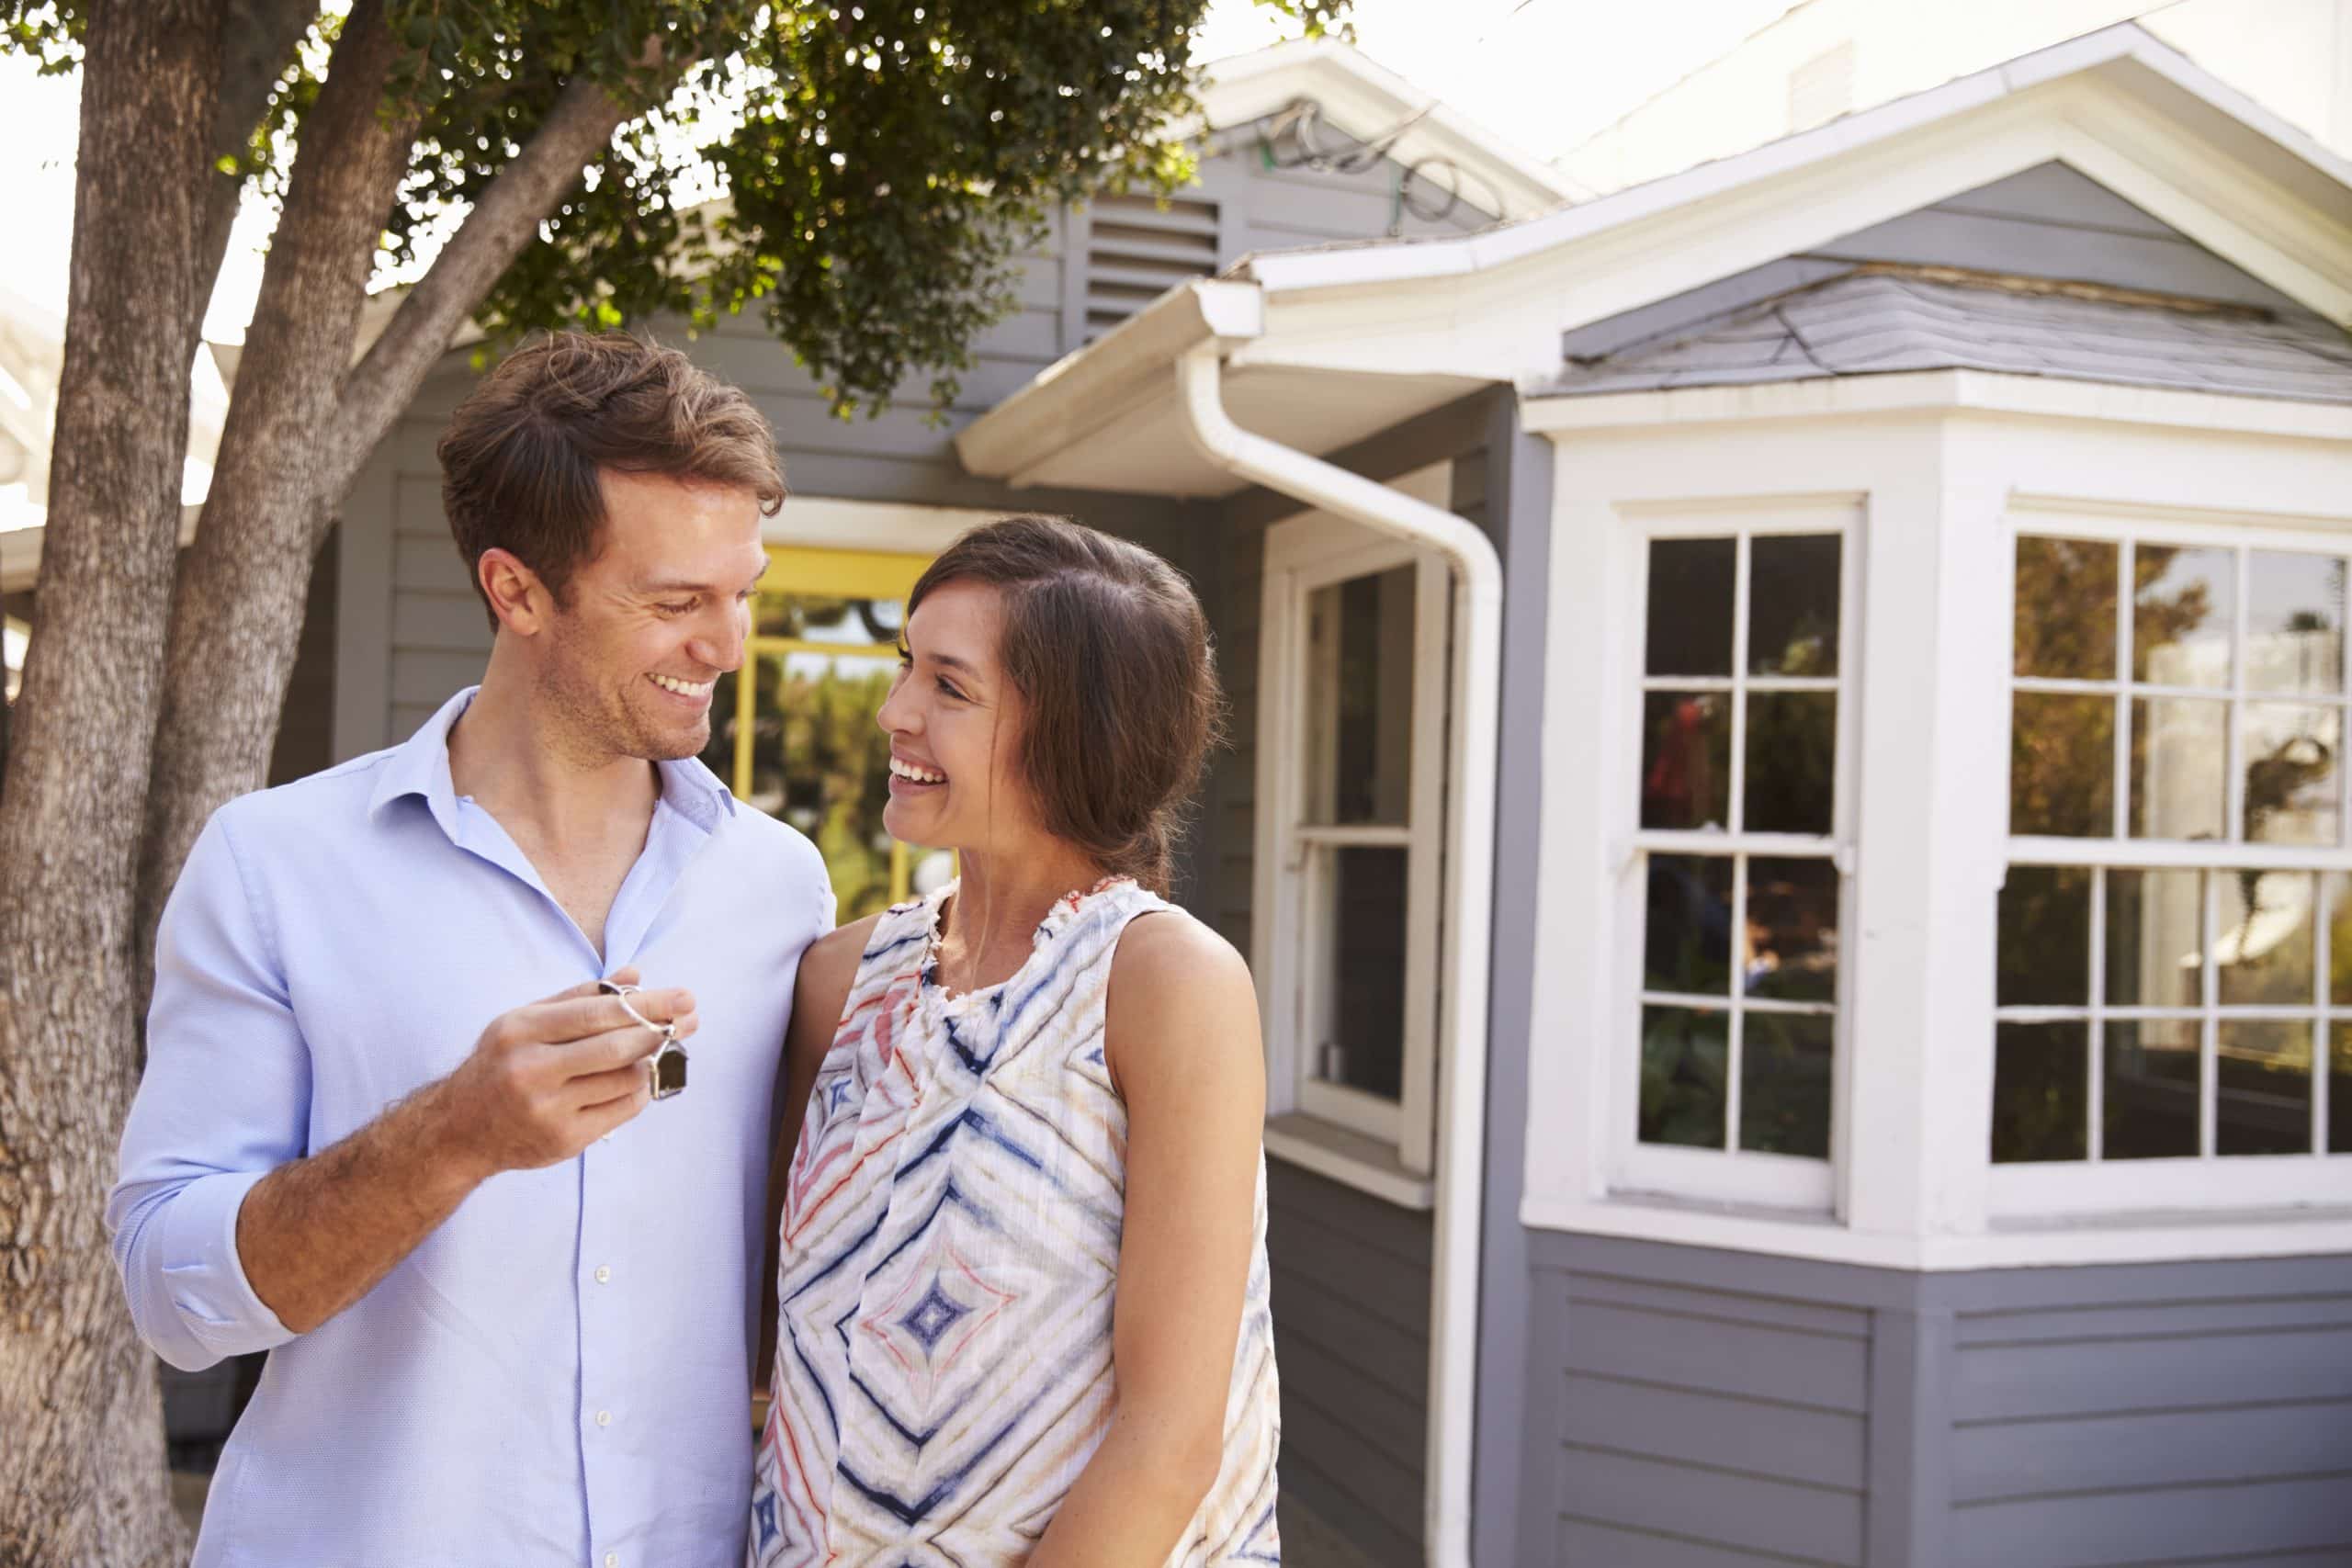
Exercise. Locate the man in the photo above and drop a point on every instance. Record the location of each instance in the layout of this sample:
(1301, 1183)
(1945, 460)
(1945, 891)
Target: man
(509, 1298)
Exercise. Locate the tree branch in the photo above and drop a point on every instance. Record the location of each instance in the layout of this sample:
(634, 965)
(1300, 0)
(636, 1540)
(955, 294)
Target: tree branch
(505, 220)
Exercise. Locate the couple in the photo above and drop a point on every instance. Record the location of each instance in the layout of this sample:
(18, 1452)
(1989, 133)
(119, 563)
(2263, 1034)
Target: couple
(508, 1267)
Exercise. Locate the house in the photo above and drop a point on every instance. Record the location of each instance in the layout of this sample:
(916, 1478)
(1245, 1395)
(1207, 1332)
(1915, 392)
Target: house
(1788, 808)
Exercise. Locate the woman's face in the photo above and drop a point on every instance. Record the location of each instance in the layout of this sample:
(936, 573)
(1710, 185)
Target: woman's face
(952, 718)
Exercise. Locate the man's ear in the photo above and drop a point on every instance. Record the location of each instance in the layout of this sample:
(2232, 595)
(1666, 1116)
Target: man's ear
(518, 597)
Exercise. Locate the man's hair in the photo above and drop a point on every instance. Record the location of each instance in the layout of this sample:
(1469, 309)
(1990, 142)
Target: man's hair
(521, 458)
(1111, 654)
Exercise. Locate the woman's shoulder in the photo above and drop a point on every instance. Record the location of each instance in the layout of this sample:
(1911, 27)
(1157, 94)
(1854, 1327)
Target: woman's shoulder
(1178, 987)
(830, 962)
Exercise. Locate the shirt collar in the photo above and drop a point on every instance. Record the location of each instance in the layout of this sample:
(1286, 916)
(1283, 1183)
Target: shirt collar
(420, 766)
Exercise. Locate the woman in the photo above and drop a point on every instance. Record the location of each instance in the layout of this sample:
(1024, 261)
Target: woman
(1022, 1289)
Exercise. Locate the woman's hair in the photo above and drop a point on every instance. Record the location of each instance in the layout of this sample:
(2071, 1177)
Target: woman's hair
(521, 458)
(1111, 654)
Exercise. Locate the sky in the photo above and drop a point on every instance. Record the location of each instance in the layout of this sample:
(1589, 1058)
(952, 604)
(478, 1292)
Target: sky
(1543, 74)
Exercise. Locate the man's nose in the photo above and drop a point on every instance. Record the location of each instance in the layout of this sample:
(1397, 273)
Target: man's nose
(720, 646)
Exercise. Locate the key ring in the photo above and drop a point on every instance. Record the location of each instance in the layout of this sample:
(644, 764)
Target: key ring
(666, 1068)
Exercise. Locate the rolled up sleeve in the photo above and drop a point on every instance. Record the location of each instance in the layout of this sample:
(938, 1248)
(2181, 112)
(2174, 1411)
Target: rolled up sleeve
(224, 1101)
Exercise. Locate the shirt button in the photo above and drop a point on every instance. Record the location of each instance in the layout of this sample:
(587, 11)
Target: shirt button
(612, 1559)
(604, 1418)
(603, 1276)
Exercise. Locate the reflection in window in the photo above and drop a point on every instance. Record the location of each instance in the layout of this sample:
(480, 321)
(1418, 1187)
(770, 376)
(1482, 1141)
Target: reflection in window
(1360, 706)
(2149, 1013)
(2210, 753)
(1739, 956)
(1360, 894)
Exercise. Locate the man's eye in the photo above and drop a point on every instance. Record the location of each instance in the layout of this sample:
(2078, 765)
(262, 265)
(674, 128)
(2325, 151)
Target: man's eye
(675, 609)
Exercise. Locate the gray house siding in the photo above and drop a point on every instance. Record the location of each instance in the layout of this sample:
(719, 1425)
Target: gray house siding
(1351, 1336)
(1689, 1406)
(2047, 222)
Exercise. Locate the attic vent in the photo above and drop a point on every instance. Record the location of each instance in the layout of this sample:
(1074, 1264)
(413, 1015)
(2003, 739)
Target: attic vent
(1136, 250)
(1822, 88)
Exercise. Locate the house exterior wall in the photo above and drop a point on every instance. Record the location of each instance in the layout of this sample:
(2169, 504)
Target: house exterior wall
(1691, 1407)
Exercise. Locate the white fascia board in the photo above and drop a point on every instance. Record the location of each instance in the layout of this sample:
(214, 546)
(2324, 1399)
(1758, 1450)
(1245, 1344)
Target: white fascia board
(2095, 53)
(1935, 392)
(1091, 388)
(1367, 100)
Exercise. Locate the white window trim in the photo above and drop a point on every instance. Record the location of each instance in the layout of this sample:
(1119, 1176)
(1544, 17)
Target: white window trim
(1358, 1139)
(2026, 1192)
(1938, 458)
(1728, 1175)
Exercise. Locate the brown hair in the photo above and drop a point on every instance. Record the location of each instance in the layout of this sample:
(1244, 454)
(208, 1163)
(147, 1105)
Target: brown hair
(521, 457)
(1111, 654)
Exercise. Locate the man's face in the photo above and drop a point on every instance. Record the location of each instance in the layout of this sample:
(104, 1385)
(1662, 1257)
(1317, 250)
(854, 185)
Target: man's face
(655, 618)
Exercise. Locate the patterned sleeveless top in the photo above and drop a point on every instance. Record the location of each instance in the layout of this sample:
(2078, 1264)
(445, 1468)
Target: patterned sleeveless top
(950, 1250)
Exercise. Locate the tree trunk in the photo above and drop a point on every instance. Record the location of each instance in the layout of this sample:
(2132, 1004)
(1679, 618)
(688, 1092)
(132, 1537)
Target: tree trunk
(299, 431)
(79, 1481)
(237, 614)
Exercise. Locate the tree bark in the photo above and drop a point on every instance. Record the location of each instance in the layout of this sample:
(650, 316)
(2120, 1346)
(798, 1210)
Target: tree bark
(79, 1483)
(238, 611)
(298, 434)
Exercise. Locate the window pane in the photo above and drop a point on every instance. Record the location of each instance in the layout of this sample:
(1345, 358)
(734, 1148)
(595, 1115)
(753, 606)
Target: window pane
(2264, 945)
(2295, 623)
(2339, 939)
(1686, 759)
(2179, 767)
(2045, 937)
(2040, 1104)
(2061, 765)
(2291, 751)
(1362, 1040)
(1784, 1062)
(2263, 1079)
(1360, 699)
(1790, 942)
(1687, 943)
(1792, 605)
(2151, 1090)
(2065, 608)
(2339, 1090)
(1791, 761)
(1684, 1055)
(1691, 607)
(2154, 946)
(857, 623)
(2181, 613)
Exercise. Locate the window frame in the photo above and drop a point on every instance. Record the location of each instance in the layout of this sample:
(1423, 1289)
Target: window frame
(1385, 1148)
(2022, 1191)
(1730, 1174)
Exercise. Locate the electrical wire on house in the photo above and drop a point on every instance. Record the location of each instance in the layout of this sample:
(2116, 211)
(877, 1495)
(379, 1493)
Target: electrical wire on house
(1430, 188)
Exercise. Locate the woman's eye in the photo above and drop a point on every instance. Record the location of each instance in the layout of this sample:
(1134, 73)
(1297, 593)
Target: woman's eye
(905, 656)
(948, 690)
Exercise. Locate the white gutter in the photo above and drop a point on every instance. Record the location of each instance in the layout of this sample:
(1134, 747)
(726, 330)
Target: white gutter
(1470, 867)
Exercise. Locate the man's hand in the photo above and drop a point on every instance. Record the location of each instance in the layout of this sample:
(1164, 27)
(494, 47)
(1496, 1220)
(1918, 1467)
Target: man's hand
(543, 1083)
(548, 1079)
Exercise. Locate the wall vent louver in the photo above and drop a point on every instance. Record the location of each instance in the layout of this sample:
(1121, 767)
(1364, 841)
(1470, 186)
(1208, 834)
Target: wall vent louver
(1137, 249)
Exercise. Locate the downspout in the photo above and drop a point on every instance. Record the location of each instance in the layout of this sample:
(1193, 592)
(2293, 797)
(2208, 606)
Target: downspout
(1470, 864)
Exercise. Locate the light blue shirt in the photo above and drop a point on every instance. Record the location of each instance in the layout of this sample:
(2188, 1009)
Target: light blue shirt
(561, 1374)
